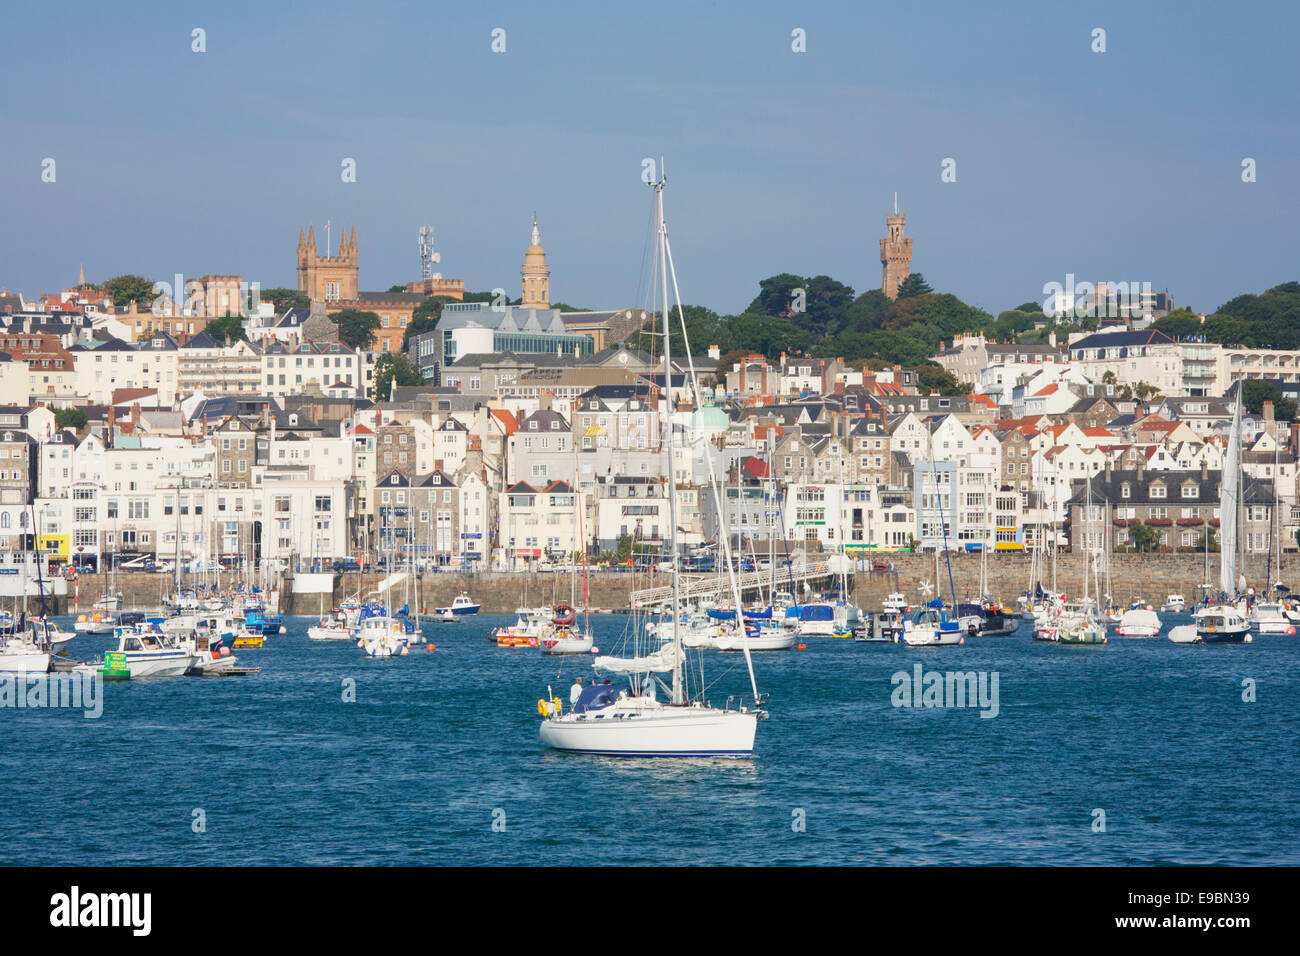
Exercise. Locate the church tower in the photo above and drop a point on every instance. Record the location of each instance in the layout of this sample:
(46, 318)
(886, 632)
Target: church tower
(895, 253)
(327, 278)
(536, 275)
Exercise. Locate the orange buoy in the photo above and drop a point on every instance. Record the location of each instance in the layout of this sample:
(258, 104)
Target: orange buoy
(802, 647)
(430, 647)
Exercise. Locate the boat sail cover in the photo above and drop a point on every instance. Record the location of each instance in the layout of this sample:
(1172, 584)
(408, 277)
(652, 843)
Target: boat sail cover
(1229, 493)
(660, 662)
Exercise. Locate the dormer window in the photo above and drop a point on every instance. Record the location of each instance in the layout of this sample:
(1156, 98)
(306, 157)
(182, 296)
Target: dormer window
(1191, 491)
(1125, 491)
(1158, 491)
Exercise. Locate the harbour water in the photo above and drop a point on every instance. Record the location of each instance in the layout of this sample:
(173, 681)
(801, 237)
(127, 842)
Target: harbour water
(437, 761)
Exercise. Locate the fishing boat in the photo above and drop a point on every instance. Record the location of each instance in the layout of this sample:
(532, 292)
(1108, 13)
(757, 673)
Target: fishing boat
(628, 719)
(1174, 604)
(461, 605)
(1222, 624)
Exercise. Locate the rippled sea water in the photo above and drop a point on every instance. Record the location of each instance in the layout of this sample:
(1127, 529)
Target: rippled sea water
(439, 745)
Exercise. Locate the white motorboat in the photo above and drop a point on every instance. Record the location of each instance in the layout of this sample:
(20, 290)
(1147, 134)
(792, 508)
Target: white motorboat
(1174, 604)
(1269, 619)
(382, 636)
(211, 655)
(932, 628)
(1184, 634)
(895, 602)
(815, 620)
(151, 652)
(1138, 622)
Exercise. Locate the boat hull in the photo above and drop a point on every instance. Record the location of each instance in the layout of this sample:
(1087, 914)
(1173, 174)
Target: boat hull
(24, 662)
(166, 664)
(656, 731)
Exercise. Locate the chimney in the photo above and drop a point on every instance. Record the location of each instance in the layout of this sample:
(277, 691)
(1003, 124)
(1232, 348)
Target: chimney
(1268, 413)
(135, 414)
(1205, 469)
(715, 353)
(1051, 338)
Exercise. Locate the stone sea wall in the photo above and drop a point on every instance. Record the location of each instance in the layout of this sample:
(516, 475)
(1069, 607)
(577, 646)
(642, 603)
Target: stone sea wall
(1146, 576)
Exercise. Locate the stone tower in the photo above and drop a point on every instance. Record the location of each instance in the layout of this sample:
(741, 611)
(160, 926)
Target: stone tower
(895, 253)
(536, 275)
(327, 278)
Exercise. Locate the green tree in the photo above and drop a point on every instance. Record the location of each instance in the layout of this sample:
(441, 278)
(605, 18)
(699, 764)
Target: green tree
(125, 289)
(391, 368)
(932, 377)
(357, 328)
(1255, 392)
(1144, 537)
(397, 288)
(286, 299)
(1214, 540)
(74, 418)
(913, 285)
(228, 326)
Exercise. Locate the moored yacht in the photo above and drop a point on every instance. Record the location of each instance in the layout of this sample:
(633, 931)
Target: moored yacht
(1269, 619)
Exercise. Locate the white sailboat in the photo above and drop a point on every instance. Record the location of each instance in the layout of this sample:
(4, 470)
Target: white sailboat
(630, 721)
(1225, 623)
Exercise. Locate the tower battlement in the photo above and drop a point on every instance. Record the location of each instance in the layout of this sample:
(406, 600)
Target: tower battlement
(895, 253)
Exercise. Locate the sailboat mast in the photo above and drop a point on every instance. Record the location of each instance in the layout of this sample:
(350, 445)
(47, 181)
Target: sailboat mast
(678, 696)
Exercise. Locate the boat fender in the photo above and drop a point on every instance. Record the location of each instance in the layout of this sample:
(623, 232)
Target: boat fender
(596, 650)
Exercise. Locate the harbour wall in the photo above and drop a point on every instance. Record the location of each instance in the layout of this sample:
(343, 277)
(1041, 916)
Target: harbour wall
(1146, 576)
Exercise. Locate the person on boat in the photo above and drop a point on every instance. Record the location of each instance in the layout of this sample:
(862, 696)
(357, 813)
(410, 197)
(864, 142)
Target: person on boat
(575, 691)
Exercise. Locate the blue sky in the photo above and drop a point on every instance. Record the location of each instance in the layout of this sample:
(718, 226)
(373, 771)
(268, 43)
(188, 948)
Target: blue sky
(1121, 166)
